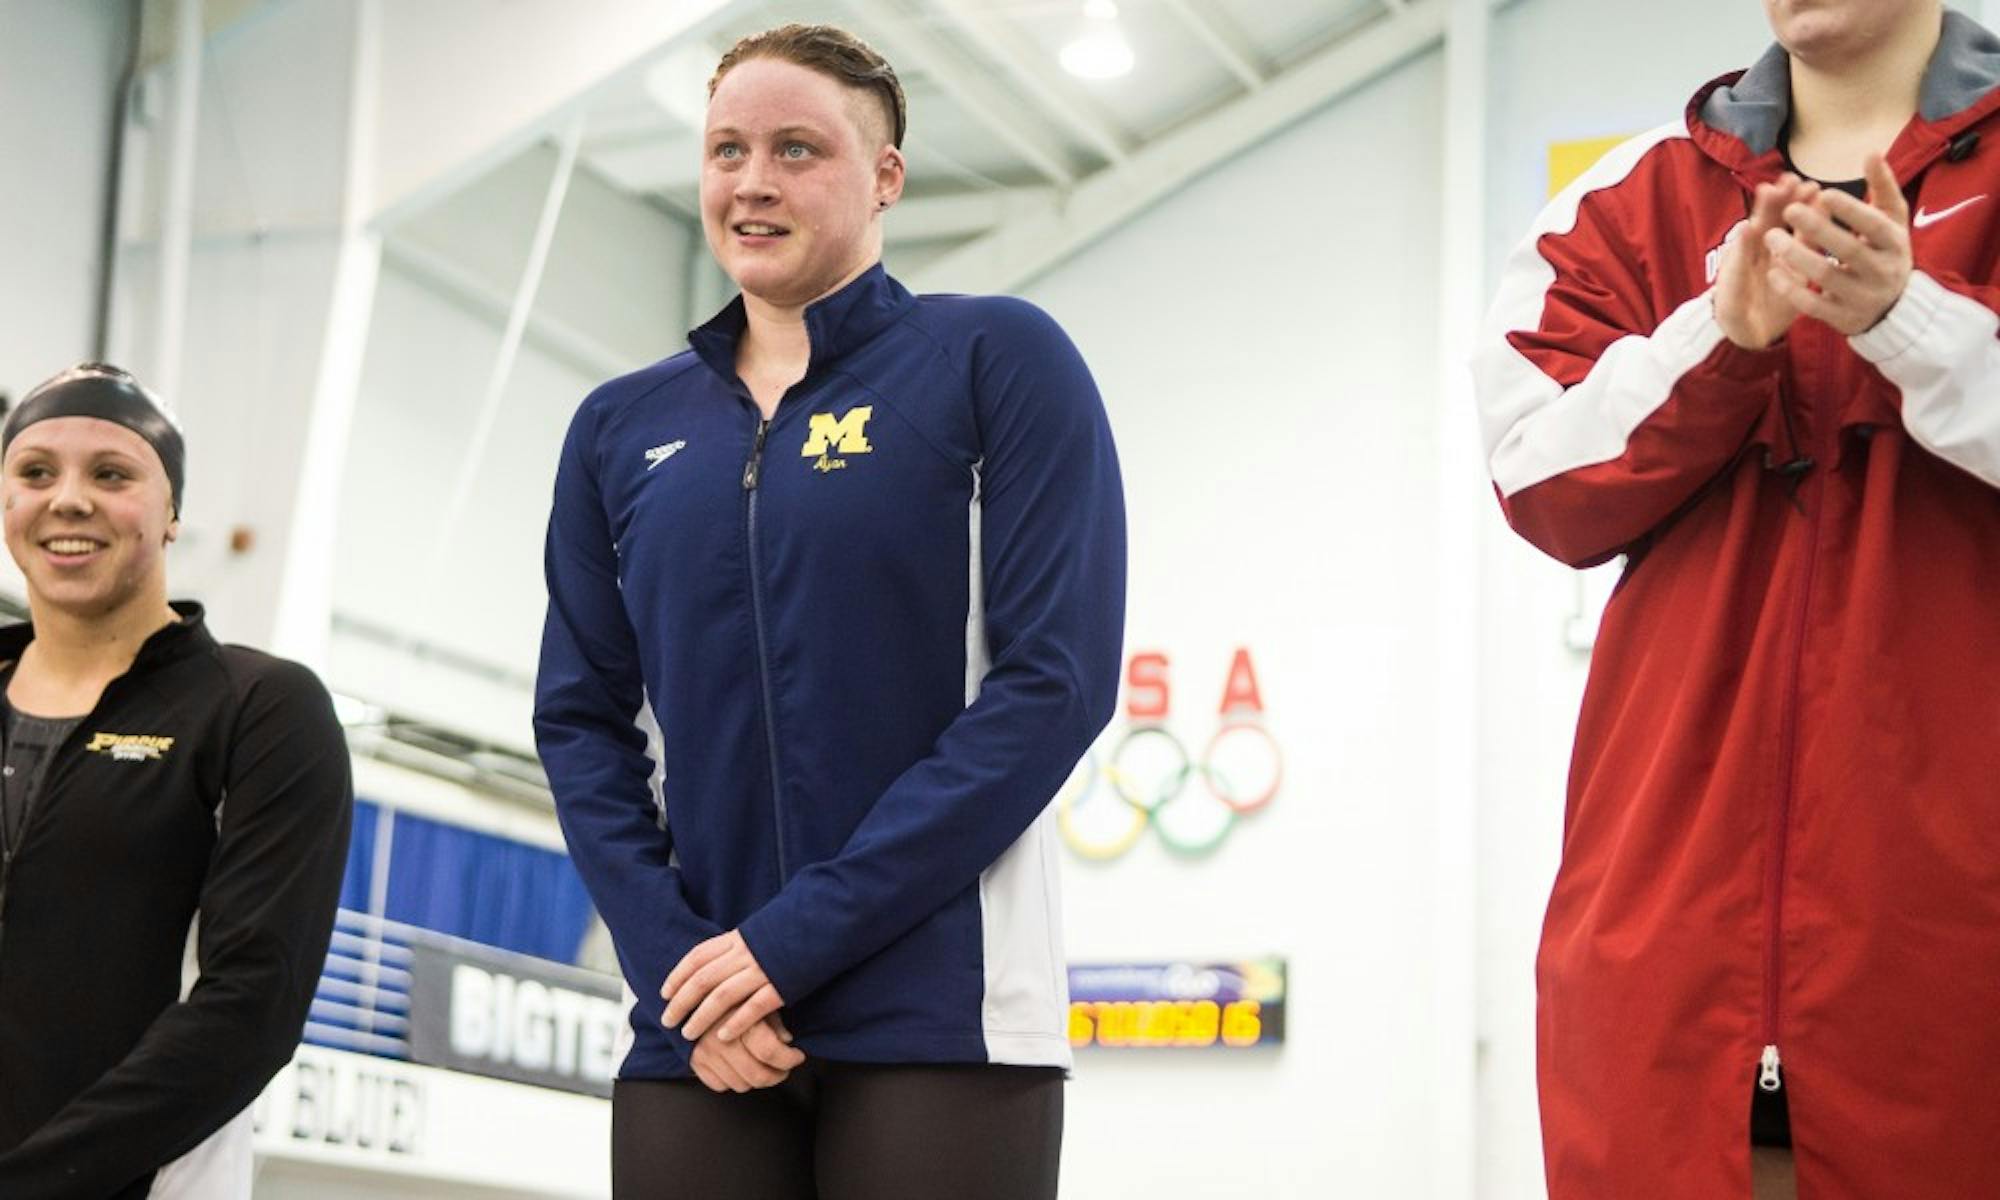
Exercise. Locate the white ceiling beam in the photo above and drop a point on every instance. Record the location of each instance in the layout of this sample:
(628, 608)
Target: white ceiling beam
(1022, 249)
(637, 137)
(961, 214)
(1223, 40)
(436, 272)
(1058, 99)
(966, 82)
(446, 114)
(670, 162)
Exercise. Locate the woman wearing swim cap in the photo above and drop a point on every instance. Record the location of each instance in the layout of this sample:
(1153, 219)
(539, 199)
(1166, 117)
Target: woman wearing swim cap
(152, 782)
(861, 554)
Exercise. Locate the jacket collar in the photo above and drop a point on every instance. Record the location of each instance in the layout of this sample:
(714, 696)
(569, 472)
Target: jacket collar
(1739, 118)
(836, 324)
(187, 636)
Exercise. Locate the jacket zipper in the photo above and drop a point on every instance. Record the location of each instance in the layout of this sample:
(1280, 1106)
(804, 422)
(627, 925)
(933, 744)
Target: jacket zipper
(750, 471)
(7, 846)
(1808, 496)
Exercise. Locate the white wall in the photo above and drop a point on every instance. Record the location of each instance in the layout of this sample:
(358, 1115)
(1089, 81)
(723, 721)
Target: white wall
(615, 281)
(1264, 341)
(478, 592)
(334, 1125)
(60, 64)
(271, 167)
(611, 300)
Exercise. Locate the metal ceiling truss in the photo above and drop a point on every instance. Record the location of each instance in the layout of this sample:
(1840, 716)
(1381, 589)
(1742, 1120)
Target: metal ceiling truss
(966, 82)
(1065, 222)
(1054, 96)
(1222, 39)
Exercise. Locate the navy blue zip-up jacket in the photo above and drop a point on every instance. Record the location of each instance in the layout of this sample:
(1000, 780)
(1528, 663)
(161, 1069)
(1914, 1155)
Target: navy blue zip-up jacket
(876, 632)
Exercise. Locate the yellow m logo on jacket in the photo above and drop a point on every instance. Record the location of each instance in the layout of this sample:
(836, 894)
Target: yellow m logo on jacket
(844, 435)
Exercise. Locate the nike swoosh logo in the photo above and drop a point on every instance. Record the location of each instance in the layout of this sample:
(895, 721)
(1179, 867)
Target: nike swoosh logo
(1925, 219)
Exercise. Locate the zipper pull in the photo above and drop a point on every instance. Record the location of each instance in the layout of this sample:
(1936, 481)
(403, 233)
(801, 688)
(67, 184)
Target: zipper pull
(756, 456)
(1767, 1074)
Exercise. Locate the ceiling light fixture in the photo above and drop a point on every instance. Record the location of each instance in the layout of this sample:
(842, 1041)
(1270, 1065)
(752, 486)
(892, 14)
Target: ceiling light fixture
(1102, 53)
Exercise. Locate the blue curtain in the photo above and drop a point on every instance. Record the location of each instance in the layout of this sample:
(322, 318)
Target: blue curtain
(485, 888)
(360, 858)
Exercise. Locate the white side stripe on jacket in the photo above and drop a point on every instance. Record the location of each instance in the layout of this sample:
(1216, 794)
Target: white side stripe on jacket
(1534, 429)
(1939, 348)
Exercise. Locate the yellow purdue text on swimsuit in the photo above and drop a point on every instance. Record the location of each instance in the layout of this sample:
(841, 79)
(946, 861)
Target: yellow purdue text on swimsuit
(845, 435)
(129, 747)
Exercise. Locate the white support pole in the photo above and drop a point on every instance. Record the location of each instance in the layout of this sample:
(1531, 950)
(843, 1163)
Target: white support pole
(378, 910)
(473, 459)
(510, 338)
(302, 623)
(1461, 499)
(177, 206)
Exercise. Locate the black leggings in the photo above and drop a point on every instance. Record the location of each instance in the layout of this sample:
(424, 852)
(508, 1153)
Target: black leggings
(843, 1131)
(1770, 1119)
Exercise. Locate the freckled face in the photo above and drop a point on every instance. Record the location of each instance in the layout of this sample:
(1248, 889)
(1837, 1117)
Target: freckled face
(89, 513)
(796, 173)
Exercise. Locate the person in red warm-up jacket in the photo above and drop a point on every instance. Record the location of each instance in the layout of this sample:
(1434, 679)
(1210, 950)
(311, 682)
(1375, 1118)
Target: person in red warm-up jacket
(1754, 353)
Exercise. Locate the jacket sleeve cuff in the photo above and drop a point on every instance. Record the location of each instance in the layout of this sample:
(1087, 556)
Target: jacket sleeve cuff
(1731, 361)
(776, 955)
(1907, 320)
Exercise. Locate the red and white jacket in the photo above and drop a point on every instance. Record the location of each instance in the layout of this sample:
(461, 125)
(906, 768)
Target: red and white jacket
(1782, 840)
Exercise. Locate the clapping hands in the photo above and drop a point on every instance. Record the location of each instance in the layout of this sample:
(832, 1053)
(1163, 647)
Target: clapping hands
(1812, 251)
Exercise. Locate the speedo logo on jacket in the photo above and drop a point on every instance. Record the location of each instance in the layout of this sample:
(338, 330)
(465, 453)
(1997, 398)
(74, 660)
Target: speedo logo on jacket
(130, 747)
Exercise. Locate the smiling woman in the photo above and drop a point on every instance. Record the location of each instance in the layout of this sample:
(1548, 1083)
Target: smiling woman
(862, 553)
(95, 471)
(123, 724)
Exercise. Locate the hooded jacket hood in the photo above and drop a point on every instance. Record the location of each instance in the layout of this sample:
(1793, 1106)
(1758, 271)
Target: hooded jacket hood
(1739, 119)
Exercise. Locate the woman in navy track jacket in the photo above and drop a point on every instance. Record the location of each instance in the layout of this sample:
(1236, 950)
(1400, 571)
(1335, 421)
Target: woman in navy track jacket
(857, 560)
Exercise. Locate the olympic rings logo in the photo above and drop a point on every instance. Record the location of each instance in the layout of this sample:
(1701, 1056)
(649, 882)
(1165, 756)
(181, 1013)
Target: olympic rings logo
(1147, 779)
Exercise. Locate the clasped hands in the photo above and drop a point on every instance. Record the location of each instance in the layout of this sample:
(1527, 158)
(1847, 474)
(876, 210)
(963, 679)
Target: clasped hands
(723, 1003)
(1808, 250)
